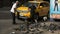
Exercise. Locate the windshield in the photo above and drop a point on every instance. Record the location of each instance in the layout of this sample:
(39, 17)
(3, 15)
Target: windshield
(27, 4)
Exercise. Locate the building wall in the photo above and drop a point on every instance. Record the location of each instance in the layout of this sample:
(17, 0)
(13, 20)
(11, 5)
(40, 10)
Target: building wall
(1, 4)
(8, 3)
(5, 3)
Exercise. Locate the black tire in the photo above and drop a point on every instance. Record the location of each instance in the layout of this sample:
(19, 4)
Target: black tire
(48, 16)
(45, 18)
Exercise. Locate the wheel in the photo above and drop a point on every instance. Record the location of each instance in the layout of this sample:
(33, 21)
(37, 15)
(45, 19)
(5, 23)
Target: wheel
(45, 18)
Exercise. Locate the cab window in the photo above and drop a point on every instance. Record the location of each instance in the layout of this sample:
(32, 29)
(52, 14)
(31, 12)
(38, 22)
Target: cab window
(28, 4)
(44, 4)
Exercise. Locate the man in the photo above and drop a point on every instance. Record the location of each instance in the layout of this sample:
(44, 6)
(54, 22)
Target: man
(32, 12)
(56, 5)
(33, 15)
(13, 9)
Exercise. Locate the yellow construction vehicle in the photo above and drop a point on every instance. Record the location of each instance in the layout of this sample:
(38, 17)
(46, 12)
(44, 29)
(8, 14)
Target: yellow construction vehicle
(42, 9)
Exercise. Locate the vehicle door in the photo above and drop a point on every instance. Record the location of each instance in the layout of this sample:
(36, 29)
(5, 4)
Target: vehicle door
(43, 8)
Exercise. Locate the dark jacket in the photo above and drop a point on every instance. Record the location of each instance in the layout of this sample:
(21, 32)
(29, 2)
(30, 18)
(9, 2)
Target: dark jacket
(32, 10)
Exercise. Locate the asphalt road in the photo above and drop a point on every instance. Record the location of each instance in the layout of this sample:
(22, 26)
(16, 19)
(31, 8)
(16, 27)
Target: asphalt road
(6, 20)
(6, 26)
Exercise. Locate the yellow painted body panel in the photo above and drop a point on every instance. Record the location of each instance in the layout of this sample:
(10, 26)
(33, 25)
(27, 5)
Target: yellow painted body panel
(22, 8)
(39, 9)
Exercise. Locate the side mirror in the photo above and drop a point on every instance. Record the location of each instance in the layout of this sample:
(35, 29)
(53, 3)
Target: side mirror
(41, 6)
